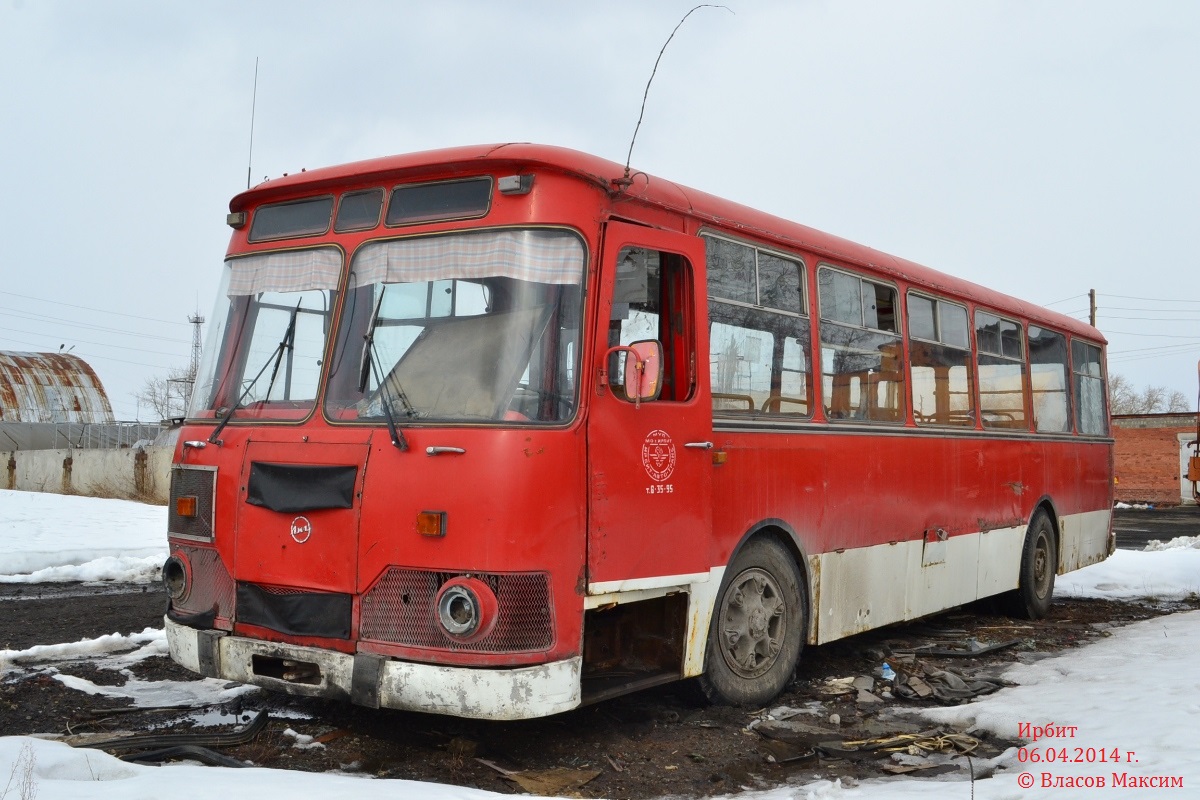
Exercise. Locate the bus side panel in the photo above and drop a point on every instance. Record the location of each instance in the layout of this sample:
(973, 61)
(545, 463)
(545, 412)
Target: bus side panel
(899, 525)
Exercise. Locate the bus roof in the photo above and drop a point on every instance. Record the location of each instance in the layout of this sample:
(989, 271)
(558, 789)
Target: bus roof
(708, 209)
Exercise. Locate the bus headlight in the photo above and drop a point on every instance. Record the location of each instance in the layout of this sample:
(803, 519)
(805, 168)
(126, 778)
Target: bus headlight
(466, 608)
(175, 578)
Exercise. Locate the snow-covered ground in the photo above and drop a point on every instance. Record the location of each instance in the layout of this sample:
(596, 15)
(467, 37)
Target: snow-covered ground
(52, 537)
(1120, 709)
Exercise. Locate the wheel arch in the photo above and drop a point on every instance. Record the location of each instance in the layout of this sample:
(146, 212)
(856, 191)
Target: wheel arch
(787, 536)
(1046, 503)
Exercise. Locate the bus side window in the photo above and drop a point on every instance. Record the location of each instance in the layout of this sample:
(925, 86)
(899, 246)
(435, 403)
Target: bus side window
(1002, 376)
(862, 370)
(652, 298)
(1091, 409)
(1048, 374)
(758, 332)
(940, 356)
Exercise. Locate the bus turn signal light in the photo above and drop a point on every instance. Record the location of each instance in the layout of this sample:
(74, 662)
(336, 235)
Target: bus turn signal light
(185, 506)
(431, 523)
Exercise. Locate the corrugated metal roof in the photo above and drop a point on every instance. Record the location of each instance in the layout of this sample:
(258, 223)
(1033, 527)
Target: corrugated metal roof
(50, 387)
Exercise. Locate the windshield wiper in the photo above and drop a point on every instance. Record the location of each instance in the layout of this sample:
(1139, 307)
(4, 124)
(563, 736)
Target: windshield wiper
(369, 364)
(288, 342)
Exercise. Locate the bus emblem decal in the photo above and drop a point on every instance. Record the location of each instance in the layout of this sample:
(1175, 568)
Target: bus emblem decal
(301, 529)
(658, 455)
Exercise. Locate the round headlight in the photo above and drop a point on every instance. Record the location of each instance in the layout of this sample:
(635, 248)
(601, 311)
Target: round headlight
(175, 578)
(466, 608)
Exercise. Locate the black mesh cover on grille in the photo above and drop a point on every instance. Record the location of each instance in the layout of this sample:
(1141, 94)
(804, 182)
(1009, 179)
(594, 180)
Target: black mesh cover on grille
(399, 609)
(295, 611)
(200, 483)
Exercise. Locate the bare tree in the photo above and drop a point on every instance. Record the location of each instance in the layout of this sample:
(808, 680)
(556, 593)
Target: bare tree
(1154, 399)
(1124, 398)
(167, 395)
(1178, 403)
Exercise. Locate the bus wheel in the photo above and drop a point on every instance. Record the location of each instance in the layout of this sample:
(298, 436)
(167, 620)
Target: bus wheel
(1039, 562)
(757, 628)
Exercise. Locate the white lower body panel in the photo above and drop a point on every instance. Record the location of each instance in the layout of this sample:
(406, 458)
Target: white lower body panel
(480, 693)
(1084, 539)
(867, 587)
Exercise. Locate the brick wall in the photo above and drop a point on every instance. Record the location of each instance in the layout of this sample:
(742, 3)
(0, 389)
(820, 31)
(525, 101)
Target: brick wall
(1147, 460)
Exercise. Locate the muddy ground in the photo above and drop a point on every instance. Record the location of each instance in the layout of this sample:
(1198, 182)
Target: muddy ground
(656, 743)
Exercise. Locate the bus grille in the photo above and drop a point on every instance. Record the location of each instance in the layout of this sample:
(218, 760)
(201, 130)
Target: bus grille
(211, 589)
(399, 609)
(198, 482)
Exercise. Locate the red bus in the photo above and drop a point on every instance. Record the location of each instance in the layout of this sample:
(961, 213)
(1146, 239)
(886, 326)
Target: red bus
(499, 431)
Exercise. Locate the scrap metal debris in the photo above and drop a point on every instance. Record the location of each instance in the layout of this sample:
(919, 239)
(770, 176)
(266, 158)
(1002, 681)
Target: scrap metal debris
(969, 649)
(945, 686)
(545, 782)
(917, 744)
(158, 747)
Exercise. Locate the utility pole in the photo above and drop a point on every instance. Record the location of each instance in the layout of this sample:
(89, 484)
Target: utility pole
(197, 349)
(1092, 305)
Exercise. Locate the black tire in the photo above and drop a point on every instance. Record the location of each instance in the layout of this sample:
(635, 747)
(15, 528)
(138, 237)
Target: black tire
(1039, 563)
(758, 627)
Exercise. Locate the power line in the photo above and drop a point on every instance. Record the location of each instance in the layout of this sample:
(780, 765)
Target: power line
(34, 317)
(94, 344)
(1180, 347)
(1159, 310)
(1138, 355)
(1148, 299)
(1155, 335)
(1153, 319)
(1065, 299)
(89, 308)
(89, 357)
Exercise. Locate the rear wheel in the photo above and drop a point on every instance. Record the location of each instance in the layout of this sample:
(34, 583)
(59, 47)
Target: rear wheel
(1039, 562)
(757, 628)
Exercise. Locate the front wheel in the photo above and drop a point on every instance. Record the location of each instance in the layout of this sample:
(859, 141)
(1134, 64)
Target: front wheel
(1039, 562)
(757, 628)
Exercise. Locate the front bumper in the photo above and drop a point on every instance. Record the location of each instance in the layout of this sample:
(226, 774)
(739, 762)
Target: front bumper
(379, 682)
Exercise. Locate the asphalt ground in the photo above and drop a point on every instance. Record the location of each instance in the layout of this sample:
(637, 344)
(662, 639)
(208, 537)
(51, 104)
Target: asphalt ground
(1135, 527)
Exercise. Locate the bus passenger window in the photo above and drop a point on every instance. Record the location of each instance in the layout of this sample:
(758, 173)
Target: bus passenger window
(940, 356)
(652, 293)
(1091, 406)
(862, 370)
(758, 333)
(1048, 378)
(1002, 377)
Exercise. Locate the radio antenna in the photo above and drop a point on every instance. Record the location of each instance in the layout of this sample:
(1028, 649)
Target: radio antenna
(253, 103)
(624, 181)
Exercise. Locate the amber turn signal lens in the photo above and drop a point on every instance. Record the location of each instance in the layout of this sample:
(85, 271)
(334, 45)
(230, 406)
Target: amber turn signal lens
(431, 523)
(185, 506)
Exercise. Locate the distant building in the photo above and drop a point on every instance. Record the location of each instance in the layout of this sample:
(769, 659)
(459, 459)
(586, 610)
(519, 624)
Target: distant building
(1151, 458)
(51, 387)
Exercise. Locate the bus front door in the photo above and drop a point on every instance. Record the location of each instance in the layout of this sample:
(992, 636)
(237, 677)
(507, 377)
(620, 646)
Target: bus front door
(650, 461)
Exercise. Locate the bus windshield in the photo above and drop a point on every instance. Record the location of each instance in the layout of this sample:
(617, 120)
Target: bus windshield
(262, 359)
(469, 327)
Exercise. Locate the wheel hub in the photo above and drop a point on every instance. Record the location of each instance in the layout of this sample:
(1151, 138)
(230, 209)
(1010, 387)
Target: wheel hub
(752, 619)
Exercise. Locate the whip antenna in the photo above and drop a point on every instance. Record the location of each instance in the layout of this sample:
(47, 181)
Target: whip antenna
(625, 180)
(253, 103)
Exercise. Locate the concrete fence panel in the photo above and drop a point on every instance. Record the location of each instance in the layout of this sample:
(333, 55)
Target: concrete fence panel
(134, 474)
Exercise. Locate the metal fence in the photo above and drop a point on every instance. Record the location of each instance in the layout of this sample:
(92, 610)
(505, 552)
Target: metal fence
(75, 435)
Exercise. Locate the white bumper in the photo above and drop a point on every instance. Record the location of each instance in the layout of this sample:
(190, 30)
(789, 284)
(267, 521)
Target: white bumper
(377, 681)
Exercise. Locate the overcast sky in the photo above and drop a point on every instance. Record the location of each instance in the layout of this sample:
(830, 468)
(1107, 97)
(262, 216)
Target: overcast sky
(1040, 148)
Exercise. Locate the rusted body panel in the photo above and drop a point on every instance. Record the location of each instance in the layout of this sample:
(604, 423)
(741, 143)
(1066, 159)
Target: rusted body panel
(51, 387)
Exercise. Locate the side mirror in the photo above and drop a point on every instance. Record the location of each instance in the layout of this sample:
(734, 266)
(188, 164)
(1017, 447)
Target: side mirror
(643, 372)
